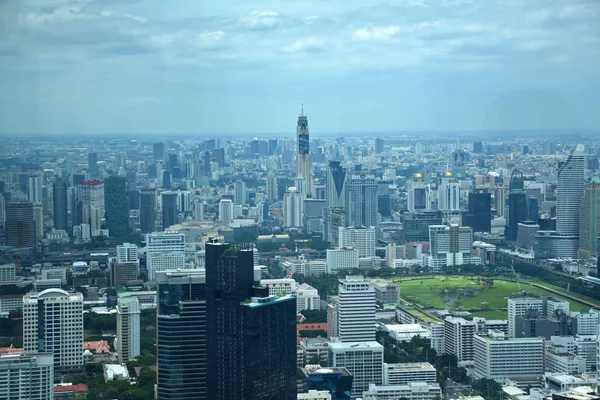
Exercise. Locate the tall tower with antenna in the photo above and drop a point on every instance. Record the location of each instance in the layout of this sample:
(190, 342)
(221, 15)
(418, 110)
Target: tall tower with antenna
(302, 153)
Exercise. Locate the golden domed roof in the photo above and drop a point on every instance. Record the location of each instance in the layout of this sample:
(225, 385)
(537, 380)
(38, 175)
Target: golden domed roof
(418, 176)
(447, 174)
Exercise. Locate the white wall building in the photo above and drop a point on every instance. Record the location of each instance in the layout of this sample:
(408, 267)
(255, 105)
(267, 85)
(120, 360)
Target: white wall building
(587, 322)
(364, 360)
(356, 310)
(8, 273)
(164, 251)
(449, 246)
(342, 259)
(458, 338)
(412, 390)
(128, 328)
(292, 208)
(53, 323)
(449, 195)
(437, 337)
(307, 298)
(226, 211)
(301, 265)
(361, 238)
(518, 306)
(497, 357)
(127, 252)
(27, 376)
(403, 373)
(280, 287)
(559, 360)
(315, 395)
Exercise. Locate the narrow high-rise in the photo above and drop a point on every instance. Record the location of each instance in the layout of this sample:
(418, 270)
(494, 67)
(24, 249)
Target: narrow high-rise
(115, 206)
(356, 310)
(335, 196)
(59, 197)
(361, 200)
(517, 205)
(302, 153)
(148, 210)
(181, 335)
(169, 209)
(19, 228)
(589, 219)
(128, 328)
(251, 336)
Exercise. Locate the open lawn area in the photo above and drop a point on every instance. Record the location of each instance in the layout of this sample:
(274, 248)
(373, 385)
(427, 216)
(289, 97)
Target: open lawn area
(469, 294)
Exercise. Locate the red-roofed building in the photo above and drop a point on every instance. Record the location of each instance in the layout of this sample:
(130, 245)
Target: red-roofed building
(320, 326)
(99, 347)
(68, 391)
(10, 350)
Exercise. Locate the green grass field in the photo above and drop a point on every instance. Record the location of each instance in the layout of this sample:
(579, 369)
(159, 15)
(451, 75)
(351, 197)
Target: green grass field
(461, 293)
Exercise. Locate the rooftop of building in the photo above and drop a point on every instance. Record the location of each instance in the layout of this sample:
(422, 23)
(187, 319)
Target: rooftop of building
(316, 369)
(355, 345)
(10, 350)
(97, 347)
(412, 367)
(264, 301)
(69, 387)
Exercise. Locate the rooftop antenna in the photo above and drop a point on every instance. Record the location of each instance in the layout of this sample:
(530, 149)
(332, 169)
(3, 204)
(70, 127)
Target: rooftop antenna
(302, 114)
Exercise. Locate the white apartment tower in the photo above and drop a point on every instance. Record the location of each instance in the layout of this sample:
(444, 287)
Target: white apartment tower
(571, 183)
(449, 194)
(361, 238)
(164, 251)
(53, 323)
(458, 338)
(27, 376)
(128, 328)
(226, 211)
(292, 208)
(364, 360)
(127, 253)
(518, 307)
(356, 310)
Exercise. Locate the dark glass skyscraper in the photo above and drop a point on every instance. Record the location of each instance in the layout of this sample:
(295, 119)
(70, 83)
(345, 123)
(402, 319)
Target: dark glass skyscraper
(251, 336)
(19, 227)
(59, 194)
(181, 335)
(147, 210)
(169, 209)
(116, 212)
(93, 164)
(479, 214)
(517, 205)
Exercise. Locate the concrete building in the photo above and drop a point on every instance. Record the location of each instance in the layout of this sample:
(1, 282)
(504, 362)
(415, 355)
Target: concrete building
(226, 211)
(47, 317)
(292, 208)
(450, 246)
(364, 360)
(587, 322)
(559, 360)
(449, 194)
(568, 200)
(361, 200)
(458, 338)
(412, 390)
(280, 287)
(239, 192)
(589, 219)
(8, 273)
(498, 357)
(128, 328)
(315, 395)
(403, 373)
(342, 259)
(360, 238)
(518, 307)
(27, 376)
(386, 292)
(418, 194)
(164, 251)
(307, 298)
(356, 310)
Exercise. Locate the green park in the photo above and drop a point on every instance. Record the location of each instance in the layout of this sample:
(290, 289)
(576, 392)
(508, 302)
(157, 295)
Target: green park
(483, 297)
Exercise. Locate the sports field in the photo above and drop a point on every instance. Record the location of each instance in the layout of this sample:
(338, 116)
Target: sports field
(469, 294)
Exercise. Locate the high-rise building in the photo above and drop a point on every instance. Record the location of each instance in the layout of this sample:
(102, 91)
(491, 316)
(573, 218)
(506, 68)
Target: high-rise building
(418, 196)
(127, 252)
(302, 153)
(517, 205)
(272, 188)
(335, 196)
(292, 208)
(53, 323)
(126, 267)
(92, 201)
(93, 164)
(181, 335)
(59, 197)
(589, 219)
(128, 328)
(160, 152)
(361, 200)
(226, 211)
(239, 192)
(19, 228)
(34, 188)
(27, 376)
(458, 338)
(116, 207)
(450, 245)
(479, 214)
(361, 238)
(449, 193)
(38, 219)
(498, 357)
(169, 209)
(251, 337)
(356, 310)
(570, 191)
(379, 145)
(518, 307)
(364, 360)
(342, 259)
(478, 147)
(165, 251)
(148, 210)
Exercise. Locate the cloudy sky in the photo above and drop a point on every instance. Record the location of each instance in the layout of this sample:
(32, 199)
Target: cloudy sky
(199, 66)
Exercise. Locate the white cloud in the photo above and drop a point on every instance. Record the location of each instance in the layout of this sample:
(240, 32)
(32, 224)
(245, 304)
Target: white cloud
(136, 18)
(189, 39)
(311, 43)
(58, 14)
(376, 33)
(259, 20)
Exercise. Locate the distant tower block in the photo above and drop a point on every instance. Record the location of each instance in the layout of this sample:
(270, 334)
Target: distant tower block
(303, 155)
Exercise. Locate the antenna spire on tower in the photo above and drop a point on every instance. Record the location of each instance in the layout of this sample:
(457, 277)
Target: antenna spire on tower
(302, 113)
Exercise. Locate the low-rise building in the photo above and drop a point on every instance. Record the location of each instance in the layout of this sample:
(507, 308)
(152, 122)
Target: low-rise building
(307, 298)
(403, 373)
(386, 292)
(413, 390)
(314, 395)
(115, 372)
